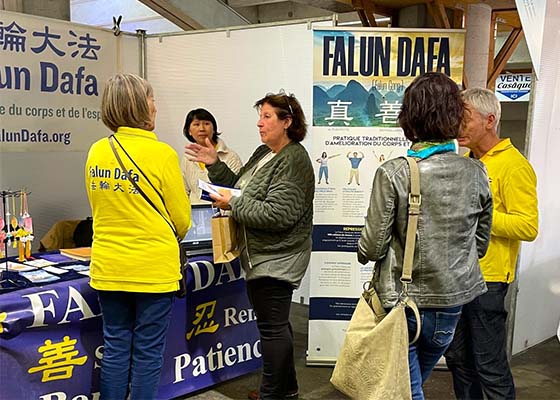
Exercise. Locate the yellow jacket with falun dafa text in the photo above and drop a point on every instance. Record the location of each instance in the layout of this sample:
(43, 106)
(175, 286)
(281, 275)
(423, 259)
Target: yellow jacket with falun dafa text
(134, 249)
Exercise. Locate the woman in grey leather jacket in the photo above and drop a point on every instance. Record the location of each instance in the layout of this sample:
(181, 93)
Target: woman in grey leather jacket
(453, 226)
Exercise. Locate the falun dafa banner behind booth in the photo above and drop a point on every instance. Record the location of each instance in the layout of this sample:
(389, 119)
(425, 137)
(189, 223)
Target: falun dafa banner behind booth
(52, 75)
(359, 79)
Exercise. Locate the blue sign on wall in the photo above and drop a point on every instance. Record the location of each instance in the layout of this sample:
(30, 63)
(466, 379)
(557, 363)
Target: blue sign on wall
(513, 87)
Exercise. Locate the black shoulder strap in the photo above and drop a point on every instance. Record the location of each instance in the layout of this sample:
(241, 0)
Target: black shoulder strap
(144, 195)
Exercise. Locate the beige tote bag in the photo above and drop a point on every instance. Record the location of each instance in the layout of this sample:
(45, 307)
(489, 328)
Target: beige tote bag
(373, 361)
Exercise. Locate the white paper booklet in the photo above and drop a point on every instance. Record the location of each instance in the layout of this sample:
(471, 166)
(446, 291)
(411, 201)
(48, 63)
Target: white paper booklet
(209, 188)
(13, 266)
(39, 262)
(55, 270)
(39, 276)
(76, 267)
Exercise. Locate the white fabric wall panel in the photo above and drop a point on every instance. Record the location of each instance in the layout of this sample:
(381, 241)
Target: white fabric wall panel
(538, 302)
(226, 74)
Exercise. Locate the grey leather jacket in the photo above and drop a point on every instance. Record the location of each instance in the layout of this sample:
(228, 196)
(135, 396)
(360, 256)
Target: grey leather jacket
(453, 230)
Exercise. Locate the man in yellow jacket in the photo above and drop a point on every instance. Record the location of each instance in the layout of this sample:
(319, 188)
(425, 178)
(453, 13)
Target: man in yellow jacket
(477, 356)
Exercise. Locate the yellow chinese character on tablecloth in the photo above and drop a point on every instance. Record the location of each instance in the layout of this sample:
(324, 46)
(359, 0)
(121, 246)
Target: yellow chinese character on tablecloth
(58, 360)
(208, 326)
(3, 317)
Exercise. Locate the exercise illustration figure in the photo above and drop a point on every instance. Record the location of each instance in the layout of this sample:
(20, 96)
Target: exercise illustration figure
(381, 157)
(324, 168)
(355, 160)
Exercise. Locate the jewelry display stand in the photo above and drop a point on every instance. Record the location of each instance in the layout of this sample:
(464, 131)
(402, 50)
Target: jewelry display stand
(6, 281)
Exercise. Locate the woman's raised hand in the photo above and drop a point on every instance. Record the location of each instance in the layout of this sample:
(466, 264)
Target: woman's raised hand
(205, 154)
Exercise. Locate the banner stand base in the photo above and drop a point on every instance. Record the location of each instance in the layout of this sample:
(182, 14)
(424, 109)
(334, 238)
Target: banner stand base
(320, 362)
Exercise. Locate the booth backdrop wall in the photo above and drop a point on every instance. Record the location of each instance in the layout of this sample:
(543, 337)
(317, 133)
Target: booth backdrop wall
(538, 302)
(226, 72)
(53, 171)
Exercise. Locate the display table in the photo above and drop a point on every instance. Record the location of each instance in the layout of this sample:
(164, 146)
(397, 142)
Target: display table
(51, 340)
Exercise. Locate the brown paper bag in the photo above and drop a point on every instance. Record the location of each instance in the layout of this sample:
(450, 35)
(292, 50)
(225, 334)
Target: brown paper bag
(224, 239)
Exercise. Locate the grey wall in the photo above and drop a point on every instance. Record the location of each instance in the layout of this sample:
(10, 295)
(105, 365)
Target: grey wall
(514, 123)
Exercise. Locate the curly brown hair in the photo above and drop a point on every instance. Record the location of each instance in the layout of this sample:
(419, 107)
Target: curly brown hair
(432, 109)
(287, 106)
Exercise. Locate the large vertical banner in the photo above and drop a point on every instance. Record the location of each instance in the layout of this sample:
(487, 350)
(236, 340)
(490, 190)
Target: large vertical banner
(360, 76)
(532, 14)
(51, 78)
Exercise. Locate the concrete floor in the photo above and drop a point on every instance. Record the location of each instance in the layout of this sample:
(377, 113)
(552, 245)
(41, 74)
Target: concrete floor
(536, 373)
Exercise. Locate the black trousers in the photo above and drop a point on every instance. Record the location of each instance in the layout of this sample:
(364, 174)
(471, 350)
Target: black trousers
(271, 300)
(477, 356)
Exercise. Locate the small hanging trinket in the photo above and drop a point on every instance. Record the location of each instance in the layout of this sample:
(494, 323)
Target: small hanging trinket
(14, 224)
(28, 226)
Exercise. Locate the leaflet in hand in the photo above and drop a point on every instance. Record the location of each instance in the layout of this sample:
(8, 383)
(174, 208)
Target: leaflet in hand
(209, 188)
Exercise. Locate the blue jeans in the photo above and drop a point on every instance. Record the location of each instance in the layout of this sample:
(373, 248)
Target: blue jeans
(271, 300)
(477, 357)
(324, 171)
(134, 331)
(438, 326)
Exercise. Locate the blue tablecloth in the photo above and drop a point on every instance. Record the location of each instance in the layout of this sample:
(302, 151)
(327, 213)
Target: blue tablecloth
(51, 342)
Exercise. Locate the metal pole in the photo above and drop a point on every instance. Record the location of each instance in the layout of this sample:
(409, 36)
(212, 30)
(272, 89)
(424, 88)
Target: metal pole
(141, 33)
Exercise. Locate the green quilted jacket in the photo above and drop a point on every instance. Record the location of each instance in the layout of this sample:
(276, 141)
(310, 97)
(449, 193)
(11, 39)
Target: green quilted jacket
(276, 207)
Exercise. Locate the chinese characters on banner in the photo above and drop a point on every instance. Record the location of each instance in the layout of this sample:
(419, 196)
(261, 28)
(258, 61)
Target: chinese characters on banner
(51, 79)
(58, 360)
(360, 76)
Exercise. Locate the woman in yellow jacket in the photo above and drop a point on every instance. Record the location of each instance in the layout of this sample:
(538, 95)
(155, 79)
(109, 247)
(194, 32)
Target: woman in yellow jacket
(135, 257)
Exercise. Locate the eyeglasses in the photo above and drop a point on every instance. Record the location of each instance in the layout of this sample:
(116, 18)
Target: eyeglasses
(287, 97)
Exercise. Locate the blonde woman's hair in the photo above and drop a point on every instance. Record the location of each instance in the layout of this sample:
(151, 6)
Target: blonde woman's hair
(125, 102)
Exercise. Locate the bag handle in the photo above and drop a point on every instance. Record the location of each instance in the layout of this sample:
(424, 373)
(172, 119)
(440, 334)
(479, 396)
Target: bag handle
(133, 182)
(414, 202)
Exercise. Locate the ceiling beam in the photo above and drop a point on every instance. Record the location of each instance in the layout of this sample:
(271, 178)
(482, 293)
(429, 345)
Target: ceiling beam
(366, 12)
(335, 6)
(369, 9)
(252, 3)
(194, 14)
(457, 19)
(437, 12)
(504, 54)
(492, 45)
(431, 10)
(440, 9)
(173, 14)
(495, 4)
(508, 17)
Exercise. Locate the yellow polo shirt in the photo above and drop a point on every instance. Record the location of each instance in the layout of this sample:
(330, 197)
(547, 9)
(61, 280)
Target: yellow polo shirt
(516, 216)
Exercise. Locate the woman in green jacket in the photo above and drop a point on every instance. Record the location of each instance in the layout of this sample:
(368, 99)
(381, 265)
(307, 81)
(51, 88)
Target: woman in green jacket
(275, 216)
